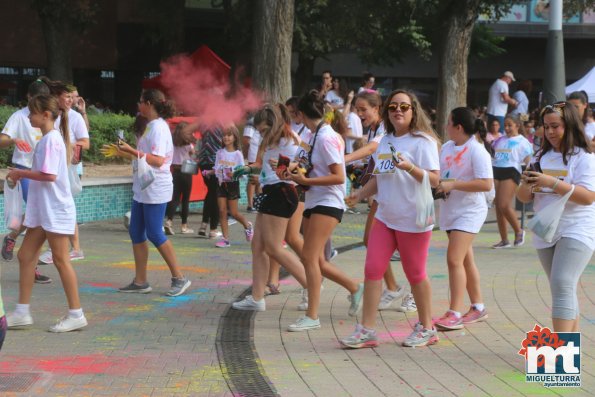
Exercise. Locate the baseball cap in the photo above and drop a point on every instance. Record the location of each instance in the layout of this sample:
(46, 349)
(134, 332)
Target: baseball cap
(508, 73)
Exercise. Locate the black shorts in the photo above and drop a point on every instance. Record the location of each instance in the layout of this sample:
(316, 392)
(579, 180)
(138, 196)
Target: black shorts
(502, 174)
(229, 190)
(280, 199)
(336, 213)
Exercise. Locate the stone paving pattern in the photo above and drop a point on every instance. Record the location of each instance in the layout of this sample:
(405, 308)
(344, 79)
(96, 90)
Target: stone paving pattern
(152, 345)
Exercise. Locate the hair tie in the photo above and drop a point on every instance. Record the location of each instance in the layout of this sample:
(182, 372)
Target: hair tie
(39, 81)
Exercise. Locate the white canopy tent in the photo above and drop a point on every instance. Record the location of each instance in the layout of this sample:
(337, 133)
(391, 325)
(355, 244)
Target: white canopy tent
(586, 83)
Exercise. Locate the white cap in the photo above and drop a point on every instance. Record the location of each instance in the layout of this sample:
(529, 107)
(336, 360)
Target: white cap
(508, 73)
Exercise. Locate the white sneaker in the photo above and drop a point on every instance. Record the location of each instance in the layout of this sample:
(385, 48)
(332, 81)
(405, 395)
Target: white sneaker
(303, 305)
(76, 255)
(67, 324)
(408, 304)
(248, 303)
(46, 258)
(16, 320)
(389, 297)
(304, 323)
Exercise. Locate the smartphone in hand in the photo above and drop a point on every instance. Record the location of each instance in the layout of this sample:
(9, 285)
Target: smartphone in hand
(396, 158)
(77, 152)
(535, 167)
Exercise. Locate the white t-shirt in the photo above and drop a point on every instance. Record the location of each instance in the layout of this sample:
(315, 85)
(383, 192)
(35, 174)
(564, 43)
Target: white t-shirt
(355, 124)
(155, 140)
(329, 149)
(225, 162)
(255, 138)
(589, 130)
(78, 130)
(18, 126)
(464, 211)
(334, 99)
(181, 153)
(286, 147)
(50, 204)
(496, 105)
(523, 103)
(510, 152)
(396, 188)
(577, 221)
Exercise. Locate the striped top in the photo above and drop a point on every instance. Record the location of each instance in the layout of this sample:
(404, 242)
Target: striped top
(211, 142)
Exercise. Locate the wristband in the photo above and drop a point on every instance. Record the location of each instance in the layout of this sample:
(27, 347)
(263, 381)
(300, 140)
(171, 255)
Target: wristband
(411, 169)
(555, 184)
(250, 168)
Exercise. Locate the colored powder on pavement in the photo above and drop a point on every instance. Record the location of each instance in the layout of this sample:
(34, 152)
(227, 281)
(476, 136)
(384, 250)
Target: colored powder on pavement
(72, 365)
(438, 276)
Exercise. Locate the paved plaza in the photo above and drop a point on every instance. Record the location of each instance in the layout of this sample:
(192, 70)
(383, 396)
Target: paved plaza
(193, 345)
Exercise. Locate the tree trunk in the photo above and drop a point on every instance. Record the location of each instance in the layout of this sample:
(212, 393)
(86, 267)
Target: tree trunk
(58, 48)
(271, 48)
(303, 74)
(454, 53)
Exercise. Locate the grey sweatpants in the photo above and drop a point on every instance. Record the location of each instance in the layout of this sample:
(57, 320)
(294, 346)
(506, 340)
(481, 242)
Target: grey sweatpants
(564, 263)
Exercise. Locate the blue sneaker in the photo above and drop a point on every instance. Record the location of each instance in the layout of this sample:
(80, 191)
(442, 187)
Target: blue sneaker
(357, 299)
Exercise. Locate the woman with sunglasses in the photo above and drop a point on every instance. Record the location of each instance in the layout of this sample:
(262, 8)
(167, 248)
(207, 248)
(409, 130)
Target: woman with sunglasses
(511, 151)
(323, 158)
(398, 175)
(466, 168)
(566, 162)
(368, 107)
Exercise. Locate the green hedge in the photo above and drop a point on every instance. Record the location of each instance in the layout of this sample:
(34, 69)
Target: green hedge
(5, 154)
(103, 130)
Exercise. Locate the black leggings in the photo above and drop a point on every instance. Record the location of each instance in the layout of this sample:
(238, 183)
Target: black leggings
(182, 186)
(210, 211)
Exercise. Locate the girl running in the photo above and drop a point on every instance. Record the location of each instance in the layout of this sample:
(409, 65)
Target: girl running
(278, 214)
(511, 151)
(466, 169)
(323, 159)
(567, 162)
(148, 205)
(228, 192)
(409, 131)
(50, 214)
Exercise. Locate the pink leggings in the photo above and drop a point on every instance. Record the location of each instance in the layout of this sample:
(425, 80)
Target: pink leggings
(413, 248)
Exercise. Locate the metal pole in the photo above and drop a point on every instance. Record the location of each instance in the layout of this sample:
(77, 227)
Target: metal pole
(555, 76)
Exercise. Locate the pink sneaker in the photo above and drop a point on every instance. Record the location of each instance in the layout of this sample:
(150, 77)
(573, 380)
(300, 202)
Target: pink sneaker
(249, 232)
(223, 243)
(449, 322)
(474, 316)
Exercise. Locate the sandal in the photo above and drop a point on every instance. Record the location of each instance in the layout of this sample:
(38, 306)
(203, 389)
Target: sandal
(202, 232)
(272, 289)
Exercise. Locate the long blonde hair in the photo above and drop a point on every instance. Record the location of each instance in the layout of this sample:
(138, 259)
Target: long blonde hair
(278, 128)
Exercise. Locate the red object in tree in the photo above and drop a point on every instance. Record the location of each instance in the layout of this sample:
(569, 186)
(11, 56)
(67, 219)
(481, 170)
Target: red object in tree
(203, 58)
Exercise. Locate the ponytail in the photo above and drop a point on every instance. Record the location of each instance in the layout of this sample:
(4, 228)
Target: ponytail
(65, 131)
(480, 129)
(164, 108)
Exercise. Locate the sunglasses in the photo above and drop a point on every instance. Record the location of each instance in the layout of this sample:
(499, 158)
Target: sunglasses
(403, 106)
(556, 107)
